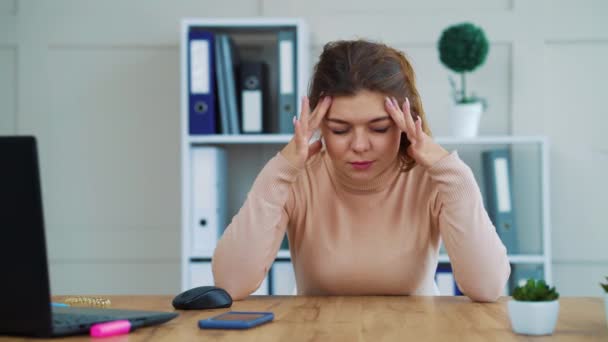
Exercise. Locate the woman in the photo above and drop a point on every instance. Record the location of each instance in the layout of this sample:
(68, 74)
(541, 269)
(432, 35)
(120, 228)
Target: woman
(366, 207)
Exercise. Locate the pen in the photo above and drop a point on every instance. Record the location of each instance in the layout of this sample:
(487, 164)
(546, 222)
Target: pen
(114, 328)
(60, 305)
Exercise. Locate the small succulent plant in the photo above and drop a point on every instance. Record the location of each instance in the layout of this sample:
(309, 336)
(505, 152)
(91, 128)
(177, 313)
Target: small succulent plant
(535, 291)
(605, 286)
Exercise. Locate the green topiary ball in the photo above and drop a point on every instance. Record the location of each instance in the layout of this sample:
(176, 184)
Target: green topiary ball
(463, 47)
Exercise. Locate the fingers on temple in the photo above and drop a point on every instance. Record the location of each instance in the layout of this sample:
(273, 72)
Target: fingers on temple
(408, 116)
(297, 128)
(320, 111)
(418, 126)
(395, 113)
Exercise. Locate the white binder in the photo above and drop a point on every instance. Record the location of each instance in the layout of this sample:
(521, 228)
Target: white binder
(263, 289)
(283, 278)
(200, 274)
(253, 96)
(208, 199)
(445, 283)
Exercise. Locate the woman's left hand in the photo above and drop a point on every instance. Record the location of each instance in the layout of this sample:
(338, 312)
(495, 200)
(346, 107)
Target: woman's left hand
(422, 148)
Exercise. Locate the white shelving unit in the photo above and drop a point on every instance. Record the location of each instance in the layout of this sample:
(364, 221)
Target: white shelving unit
(247, 154)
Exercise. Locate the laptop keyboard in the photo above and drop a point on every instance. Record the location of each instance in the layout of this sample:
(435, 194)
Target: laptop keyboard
(65, 319)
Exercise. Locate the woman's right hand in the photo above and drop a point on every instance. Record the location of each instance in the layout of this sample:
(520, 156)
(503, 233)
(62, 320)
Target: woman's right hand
(297, 151)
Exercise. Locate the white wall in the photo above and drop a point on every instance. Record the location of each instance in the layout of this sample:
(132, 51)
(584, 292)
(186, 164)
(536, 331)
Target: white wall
(97, 82)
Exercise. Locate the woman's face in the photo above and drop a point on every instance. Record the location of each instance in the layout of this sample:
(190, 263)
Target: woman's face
(360, 136)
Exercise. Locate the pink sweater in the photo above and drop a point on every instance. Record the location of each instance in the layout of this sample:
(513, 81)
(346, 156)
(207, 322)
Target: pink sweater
(378, 238)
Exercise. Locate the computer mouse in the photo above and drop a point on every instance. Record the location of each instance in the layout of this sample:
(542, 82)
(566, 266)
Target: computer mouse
(202, 297)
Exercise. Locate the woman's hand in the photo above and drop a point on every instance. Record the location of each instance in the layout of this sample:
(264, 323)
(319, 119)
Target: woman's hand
(297, 151)
(422, 148)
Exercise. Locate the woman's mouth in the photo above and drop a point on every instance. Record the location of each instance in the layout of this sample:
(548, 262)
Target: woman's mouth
(362, 165)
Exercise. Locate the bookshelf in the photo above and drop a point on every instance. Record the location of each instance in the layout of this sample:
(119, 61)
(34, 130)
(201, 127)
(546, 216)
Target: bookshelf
(246, 154)
(255, 39)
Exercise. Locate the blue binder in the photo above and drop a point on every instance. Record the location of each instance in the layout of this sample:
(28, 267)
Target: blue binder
(201, 83)
(499, 196)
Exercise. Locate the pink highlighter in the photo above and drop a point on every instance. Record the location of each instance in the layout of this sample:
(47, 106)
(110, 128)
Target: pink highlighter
(113, 328)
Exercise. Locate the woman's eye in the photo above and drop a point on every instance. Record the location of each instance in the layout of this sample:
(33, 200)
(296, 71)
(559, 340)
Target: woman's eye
(339, 131)
(381, 130)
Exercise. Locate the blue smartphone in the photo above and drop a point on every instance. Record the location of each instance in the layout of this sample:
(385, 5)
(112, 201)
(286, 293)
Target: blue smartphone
(236, 320)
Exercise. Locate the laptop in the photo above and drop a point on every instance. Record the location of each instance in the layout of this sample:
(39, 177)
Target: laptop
(25, 304)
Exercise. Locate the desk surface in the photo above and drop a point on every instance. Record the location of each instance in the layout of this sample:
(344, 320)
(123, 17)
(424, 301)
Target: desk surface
(384, 318)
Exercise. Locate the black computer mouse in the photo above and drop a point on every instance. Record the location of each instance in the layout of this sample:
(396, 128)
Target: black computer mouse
(202, 297)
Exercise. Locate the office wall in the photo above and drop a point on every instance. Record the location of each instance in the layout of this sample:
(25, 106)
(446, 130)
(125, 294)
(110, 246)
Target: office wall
(97, 82)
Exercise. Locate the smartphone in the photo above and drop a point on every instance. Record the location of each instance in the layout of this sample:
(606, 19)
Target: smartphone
(236, 320)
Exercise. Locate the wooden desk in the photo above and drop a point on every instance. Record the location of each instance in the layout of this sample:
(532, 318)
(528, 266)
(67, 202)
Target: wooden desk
(363, 319)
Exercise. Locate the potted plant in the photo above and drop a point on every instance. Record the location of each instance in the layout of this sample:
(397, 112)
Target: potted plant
(534, 308)
(463, 48)
(605, 287)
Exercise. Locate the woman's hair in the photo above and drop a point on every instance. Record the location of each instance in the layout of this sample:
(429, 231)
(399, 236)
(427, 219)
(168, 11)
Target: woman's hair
(346, 67)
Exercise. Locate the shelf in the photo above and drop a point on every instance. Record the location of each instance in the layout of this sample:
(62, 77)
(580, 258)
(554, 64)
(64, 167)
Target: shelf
(283, 253)
(240, 139)
(490, 139)
(249, 23)
(284, 138)
(513, 258)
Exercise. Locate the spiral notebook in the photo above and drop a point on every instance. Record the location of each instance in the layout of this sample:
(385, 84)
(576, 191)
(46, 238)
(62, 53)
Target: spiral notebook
(26, 305)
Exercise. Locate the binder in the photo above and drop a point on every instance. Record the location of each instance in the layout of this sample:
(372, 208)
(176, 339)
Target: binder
(263, 290)
(227, 62)
(222, 97)
(208, 199)
(282, 278)
(201, 81)
(444, 278)
(287, 81)
(200, 274)
(254, 97)
(230, 64)
(499, 199)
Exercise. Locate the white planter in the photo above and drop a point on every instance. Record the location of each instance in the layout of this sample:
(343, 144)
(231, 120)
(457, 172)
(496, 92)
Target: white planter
(533, 318)
(606, 306)
(464, 119)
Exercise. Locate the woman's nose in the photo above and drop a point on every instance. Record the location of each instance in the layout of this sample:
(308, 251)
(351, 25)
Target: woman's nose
(360, 142)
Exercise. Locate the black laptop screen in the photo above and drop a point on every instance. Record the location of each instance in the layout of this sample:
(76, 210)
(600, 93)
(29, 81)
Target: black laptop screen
(24, 284)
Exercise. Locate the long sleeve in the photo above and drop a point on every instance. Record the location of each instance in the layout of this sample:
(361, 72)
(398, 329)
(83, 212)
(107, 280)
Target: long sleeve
(478, 257)
(251, 241)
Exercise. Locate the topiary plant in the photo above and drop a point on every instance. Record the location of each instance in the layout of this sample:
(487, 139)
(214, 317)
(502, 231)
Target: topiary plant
(535, 291)
(463, 48)
(605, 286)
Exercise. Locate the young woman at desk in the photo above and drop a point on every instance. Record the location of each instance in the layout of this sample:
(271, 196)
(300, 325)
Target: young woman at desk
(364, 213)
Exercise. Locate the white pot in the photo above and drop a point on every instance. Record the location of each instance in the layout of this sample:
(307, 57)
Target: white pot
(533, 318)
(464, 119)
(606, 306)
